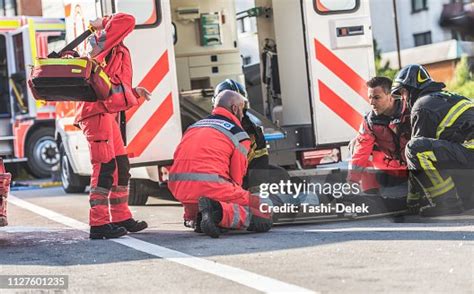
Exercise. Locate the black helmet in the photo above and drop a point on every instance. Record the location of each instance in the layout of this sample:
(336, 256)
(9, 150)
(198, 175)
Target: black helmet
(413, 78)
(231, 85)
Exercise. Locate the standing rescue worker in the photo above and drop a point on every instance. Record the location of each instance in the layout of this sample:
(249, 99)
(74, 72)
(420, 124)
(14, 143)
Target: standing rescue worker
(378, 151)
(209, 165)
(442, 139)
(98, 121)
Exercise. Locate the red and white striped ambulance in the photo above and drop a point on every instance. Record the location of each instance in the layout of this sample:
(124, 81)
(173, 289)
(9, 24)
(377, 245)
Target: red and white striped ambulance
(315, 77)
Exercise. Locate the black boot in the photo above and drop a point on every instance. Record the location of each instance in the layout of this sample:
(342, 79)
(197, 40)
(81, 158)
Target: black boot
(440, 208)
(107, 231)
(260, 224)
(211, 213)
(132, 225)
(197, 228)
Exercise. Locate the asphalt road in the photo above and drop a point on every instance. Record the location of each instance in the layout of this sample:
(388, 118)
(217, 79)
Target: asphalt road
(47, 235)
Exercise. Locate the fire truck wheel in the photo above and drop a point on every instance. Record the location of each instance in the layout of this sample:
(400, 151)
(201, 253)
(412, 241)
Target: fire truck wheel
(42, 152)
(138, 192)
(71, 182)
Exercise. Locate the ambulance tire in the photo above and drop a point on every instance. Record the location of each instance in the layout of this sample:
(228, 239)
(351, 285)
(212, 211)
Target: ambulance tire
(42, 152)
(139, 192)
(71, 182)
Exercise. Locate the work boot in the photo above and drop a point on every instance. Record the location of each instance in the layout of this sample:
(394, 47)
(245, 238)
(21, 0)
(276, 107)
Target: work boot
(197, 227)
(107, 231)
(211, 213)
(132, 225)
(260, 224)
(446, 207)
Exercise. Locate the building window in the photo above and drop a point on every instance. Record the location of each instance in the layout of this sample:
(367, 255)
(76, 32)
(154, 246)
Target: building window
(246, 60)
(8, 8)
(419, 5)
(422, 39)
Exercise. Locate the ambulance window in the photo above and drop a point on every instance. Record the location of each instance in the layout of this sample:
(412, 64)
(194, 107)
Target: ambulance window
(335, 6)
(19, 52)
(147, 13)
(4, 96)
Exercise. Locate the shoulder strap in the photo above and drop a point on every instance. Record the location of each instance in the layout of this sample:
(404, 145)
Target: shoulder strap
(73, 44)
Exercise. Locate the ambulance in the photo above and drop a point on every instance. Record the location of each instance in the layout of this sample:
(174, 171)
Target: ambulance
(27, 126)
(316, 57)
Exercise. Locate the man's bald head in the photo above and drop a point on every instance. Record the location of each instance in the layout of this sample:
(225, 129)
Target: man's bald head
(227, 98)
(232, 101)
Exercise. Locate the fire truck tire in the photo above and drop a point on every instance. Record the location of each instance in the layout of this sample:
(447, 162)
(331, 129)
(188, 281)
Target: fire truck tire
(71, 182)
(42, 152)
(138, 192)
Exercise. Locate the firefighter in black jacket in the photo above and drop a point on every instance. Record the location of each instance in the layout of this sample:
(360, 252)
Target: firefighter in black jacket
(441, 144)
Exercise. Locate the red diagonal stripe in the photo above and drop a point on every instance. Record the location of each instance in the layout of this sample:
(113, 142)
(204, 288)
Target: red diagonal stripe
(340, 69)
(151, 128)
(339, 106)
(152, 80)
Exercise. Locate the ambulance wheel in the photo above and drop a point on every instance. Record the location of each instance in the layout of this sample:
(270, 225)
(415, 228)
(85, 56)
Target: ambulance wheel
(138, 192)
(42, 152)
(71, 182)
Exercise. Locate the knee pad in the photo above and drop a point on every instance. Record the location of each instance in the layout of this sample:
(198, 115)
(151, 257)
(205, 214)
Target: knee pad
(106, 178)
(123, 168)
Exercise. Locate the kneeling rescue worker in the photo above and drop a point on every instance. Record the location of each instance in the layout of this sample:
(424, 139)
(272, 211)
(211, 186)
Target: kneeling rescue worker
(378, 151)
(209, 165)
(98, 121)
(442, 141)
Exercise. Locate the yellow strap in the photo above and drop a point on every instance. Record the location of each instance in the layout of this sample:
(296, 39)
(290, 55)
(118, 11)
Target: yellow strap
(18, 95)
(452, 115)
(61, 61)
(105, 77)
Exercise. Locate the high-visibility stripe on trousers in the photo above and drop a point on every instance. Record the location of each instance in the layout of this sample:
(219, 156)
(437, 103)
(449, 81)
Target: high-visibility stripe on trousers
(431, 163)
(238, 205)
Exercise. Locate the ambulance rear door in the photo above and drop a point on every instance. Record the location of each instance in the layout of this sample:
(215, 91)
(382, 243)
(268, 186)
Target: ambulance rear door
(340, 60)
(153, 128)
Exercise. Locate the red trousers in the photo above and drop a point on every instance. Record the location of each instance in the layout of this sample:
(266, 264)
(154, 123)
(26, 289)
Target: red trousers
(238, 205)
(110, 170)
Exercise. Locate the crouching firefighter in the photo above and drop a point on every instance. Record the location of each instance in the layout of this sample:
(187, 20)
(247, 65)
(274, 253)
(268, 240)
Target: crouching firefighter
(442, 145)
(208, 170)
(109, 215)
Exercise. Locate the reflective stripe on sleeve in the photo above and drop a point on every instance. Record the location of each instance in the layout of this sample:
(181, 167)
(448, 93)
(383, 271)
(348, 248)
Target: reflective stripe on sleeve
(452, 115)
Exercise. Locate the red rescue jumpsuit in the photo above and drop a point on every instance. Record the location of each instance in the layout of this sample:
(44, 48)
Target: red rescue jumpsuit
(98, 121)
(211, 161)
(389, 135)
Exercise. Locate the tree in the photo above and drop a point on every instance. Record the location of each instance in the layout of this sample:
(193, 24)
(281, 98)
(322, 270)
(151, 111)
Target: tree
(383, 70)
(462, 82)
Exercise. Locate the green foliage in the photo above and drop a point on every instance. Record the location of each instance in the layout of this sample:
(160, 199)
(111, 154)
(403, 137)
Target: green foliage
(462, 82)
(382, 70)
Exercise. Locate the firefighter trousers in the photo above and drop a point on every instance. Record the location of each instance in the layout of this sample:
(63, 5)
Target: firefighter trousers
(440, 168)
(110, 170)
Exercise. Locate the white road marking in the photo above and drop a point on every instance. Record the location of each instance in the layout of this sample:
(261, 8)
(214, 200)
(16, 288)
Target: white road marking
(243, 277)
(405, 228)
(21, 229)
